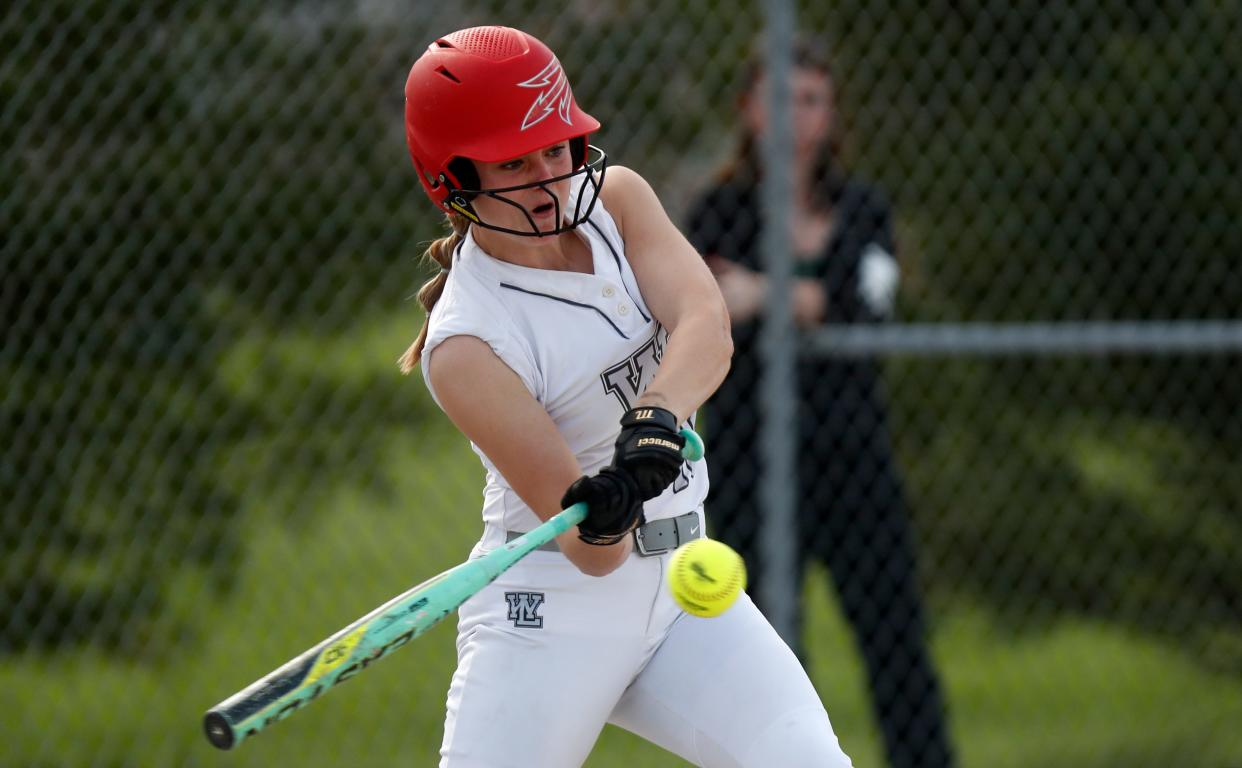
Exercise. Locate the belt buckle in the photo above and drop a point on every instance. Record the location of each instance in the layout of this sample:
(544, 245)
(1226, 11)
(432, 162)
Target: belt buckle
(640, 541)
(669, 531)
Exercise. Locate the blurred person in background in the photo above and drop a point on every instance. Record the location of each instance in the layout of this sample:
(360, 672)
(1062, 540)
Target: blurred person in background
(571, 332)
(852, 514)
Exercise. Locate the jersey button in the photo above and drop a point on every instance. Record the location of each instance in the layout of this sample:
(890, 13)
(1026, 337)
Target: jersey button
(609, 292)
(623, 309)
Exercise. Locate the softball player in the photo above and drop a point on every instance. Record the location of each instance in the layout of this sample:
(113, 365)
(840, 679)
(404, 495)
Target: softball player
(571, 331)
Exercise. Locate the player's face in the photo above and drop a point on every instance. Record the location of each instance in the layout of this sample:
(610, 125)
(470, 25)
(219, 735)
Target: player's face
(541, 201)
(811, 96)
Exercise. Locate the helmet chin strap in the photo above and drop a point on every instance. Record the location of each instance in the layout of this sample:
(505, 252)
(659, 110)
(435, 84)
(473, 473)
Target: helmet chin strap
(461, 200)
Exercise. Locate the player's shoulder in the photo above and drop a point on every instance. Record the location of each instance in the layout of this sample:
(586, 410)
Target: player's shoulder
(623, 186)
(469, 301)
(628, 197)
(473, 309)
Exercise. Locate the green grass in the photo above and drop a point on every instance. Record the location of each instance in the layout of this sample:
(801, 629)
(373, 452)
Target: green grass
(1074, 694)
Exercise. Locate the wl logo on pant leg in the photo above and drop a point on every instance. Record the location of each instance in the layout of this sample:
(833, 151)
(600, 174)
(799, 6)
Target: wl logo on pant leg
(524, 609)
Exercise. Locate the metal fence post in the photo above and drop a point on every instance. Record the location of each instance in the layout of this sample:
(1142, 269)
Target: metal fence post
(778, 387)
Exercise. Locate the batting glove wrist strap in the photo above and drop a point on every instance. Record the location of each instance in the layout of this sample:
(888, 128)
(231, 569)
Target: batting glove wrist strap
(649, 448)
(614, 506)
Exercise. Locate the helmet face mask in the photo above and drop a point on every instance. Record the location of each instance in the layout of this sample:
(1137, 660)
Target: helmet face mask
(490, 94)
(591, 171)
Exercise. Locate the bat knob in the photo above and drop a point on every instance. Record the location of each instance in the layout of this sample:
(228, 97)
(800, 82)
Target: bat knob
(219, 732)
(694, 445)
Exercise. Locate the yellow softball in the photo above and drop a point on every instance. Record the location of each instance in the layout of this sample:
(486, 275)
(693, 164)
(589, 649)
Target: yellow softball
(705, 577)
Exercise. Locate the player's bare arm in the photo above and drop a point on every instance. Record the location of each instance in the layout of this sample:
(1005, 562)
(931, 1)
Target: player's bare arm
(487, 401)
(680, 291)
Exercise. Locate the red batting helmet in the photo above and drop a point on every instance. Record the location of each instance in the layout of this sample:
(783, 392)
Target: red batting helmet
(487, 94)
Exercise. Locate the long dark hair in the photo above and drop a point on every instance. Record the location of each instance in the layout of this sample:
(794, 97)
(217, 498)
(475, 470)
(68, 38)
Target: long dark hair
(745, 166)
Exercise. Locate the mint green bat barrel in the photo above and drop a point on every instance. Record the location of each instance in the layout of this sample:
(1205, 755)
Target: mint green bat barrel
(353, 649)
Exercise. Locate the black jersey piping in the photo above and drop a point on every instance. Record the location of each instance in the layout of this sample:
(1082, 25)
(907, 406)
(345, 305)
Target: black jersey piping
(571, 303)
(620, 272)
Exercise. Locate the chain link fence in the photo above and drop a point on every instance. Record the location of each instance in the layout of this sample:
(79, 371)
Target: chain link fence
(209, 228)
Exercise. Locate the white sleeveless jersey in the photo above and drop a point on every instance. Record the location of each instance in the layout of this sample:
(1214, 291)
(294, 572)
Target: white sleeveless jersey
(585, 346)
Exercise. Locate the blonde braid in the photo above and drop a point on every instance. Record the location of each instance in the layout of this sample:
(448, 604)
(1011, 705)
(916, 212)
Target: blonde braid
(440, 252)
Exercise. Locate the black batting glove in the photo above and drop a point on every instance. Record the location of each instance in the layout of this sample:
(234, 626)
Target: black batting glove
(614, 506)
(649, 447)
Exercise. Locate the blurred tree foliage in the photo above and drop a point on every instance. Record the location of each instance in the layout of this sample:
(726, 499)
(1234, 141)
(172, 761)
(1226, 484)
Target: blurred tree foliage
(1049, 160)
(175, 150)
(1068, 160)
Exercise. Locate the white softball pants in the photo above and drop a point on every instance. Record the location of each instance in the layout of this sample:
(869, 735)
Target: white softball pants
(547, 655)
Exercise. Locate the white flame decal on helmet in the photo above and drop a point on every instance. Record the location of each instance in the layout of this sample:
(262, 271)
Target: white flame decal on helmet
(555, 94)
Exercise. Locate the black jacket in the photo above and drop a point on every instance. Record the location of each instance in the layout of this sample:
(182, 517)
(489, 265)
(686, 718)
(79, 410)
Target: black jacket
(836, 395)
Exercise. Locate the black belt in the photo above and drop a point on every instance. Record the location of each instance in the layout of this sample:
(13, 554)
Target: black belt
(654, 538)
